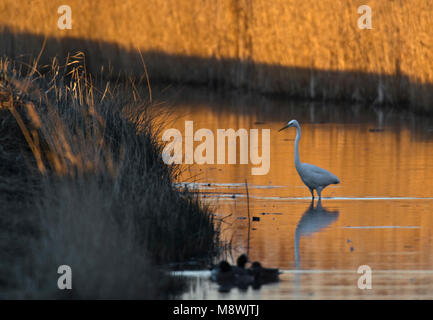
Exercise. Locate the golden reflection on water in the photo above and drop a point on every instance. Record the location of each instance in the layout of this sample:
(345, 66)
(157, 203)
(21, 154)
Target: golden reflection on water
(380, 215)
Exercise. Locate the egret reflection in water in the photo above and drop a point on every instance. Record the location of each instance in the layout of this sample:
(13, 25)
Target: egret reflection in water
(313, 220)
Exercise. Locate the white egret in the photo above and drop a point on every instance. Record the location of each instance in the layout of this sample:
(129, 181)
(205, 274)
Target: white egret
(314, 178)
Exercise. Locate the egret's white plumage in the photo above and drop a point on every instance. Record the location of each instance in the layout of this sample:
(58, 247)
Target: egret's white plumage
(314, 178)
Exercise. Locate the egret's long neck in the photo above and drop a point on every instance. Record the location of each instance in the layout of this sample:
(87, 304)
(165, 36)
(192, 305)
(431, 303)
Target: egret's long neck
(298, 137)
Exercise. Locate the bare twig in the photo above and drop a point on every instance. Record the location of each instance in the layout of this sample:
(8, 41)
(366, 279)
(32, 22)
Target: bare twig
(249, 219)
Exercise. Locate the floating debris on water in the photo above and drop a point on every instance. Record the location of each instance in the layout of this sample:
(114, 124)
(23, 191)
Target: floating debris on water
(273, 213)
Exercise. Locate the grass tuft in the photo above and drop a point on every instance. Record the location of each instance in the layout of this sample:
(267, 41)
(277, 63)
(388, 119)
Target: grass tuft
(82, 183)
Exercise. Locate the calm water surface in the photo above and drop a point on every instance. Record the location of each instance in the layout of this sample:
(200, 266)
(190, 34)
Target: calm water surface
(380, 215)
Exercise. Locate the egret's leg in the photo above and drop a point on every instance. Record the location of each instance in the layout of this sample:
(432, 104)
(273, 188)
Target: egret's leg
(319, 192)
(312, 193)
(319, 204)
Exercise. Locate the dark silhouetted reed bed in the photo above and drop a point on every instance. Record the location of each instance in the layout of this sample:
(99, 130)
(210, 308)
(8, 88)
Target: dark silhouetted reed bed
(82, 183)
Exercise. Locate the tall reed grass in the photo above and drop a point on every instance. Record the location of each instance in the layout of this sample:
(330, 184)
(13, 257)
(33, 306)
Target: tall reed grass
(82, 183)
(308, 48)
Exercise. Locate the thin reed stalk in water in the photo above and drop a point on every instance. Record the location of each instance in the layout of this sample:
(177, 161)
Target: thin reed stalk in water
(249, 218)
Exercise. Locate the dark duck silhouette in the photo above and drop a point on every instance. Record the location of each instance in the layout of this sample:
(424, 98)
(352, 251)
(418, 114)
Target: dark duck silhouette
(229, 276)
(263, 275)
(226, 272)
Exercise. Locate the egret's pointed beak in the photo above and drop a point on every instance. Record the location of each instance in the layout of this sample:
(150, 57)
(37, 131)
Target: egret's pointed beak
(285, 127)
